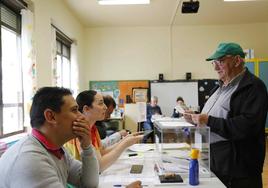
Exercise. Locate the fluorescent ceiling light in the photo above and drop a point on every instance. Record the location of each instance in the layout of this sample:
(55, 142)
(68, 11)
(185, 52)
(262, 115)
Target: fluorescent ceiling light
(240, 0)
(123, 2)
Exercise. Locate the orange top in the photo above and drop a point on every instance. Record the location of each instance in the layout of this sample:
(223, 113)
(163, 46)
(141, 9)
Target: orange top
(95, 137)
(74, 148)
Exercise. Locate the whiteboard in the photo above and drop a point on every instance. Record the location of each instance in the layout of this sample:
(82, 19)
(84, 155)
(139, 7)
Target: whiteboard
(167, 93)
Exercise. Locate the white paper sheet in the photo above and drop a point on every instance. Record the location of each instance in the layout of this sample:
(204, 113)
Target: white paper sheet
(141, 147)
(173, 124)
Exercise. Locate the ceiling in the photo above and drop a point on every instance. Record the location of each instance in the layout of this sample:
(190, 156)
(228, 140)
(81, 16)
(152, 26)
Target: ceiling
(168, 12)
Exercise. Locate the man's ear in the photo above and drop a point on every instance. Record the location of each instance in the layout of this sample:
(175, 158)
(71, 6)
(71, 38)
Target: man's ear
(237, 61)
(50, 116)
(85, 109)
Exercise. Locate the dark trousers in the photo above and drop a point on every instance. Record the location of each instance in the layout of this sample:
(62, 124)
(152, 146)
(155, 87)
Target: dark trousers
(147, 126)
(248, 182)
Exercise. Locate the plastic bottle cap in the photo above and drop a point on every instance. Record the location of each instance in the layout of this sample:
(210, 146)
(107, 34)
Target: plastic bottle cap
(194, 153)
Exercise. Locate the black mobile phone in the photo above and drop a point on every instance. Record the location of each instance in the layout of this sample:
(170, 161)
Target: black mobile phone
(170, 178)
(136, 169)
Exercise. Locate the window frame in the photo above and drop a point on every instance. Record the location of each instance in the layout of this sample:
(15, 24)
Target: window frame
(14, 7)
(64, 40)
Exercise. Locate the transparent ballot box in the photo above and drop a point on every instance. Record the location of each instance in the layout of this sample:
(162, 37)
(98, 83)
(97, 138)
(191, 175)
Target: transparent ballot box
(174, 141)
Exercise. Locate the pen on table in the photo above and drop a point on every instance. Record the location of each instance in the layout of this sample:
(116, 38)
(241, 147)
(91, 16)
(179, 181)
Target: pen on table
(132, 154)
(166, 161)
(122, 185)
(119, 185)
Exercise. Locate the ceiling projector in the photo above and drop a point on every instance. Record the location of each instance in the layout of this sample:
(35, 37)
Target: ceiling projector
(190, 7)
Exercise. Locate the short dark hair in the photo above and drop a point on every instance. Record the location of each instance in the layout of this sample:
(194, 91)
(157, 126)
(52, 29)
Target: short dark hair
(109, 101)
(46, 97)
(179, 99)
(85, 98)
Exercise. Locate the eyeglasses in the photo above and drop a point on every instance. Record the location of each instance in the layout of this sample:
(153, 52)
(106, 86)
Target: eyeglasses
(220, 62)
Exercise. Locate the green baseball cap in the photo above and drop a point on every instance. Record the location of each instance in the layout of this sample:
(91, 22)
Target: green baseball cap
(227, 49)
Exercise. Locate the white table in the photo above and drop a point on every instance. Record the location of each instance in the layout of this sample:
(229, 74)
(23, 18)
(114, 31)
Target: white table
(119, 172)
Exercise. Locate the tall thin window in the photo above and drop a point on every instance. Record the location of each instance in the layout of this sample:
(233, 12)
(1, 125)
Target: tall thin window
(11, 87)
(63, 60)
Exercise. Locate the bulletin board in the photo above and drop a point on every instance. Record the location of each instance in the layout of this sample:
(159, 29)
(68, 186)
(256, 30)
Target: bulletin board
(121, 90)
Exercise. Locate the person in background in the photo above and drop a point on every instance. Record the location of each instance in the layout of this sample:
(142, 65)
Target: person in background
(91, 104)
(39, 160)
(151, 109)
(179, 103)
(102, 127)
(236, 114)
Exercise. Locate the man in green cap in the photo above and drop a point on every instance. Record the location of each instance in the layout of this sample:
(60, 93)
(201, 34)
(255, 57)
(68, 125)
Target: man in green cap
(236, 114)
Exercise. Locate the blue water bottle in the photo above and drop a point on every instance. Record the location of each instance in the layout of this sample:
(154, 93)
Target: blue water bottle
(194, 168)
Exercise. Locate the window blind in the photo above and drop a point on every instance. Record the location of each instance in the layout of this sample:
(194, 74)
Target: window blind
(10, 19)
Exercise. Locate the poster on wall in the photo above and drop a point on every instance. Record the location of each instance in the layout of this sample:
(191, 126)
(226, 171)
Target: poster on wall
(139, 94)
(106, 88)
(121, 90)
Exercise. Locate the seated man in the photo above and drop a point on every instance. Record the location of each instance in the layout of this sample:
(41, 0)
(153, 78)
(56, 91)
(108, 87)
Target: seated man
(102, 125)
(179, 105)
(151, 109)
(39, 160)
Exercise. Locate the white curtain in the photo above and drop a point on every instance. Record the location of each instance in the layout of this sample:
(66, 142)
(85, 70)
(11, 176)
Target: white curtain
(28, 61)
(53, 43)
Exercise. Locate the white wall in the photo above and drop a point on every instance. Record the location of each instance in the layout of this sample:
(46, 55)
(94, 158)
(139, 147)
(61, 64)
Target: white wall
(45, 11)
(135, 53)
(193, 44)
(129, 53)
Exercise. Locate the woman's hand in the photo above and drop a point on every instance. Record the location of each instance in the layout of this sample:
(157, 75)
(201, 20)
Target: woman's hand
(137, 133)
(135, 184)
(131, 139)
(123, 133)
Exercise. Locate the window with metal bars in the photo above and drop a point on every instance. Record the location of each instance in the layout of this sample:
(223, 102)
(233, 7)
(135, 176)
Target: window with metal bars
(63, 60)
(11, 87)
